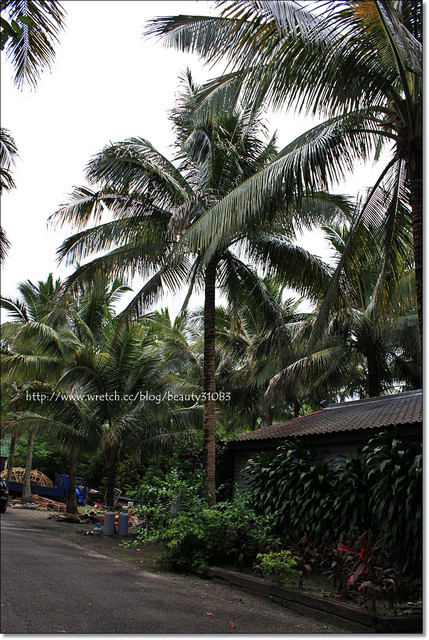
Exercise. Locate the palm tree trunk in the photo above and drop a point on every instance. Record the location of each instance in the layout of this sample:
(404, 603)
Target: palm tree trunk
(71, 506)
(209, 381)
(296, 408)
(26, 487)
(11, 456)
(374, 382)
(415, 175)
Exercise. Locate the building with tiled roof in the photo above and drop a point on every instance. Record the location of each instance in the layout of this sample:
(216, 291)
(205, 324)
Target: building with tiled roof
(335, 429)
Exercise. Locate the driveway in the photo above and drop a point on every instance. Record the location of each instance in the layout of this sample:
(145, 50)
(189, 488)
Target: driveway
(54, 579)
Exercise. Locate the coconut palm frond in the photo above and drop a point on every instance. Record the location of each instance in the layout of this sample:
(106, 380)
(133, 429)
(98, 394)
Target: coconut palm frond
(20, 366)
(317, 365)
(335, 293)
(310, 163)
(4, 245)
(170, 276)
(297, 267)
(135, 165)
(8, 157)
(394, 231)
(84, 205)
(33, 49)
(15, 308)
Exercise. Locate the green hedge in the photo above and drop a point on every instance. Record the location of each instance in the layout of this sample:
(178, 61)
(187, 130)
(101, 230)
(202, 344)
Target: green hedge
(380, 490)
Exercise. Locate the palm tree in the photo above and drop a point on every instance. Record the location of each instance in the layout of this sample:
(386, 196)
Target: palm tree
(66, 349)
(371, 344)
(357, 62)
(37, 339)
(113, 377)
(9, 422)
(179, 347)
(36, 303)
(379, 326)
(157, 205)
(68, 421)
(35, 343)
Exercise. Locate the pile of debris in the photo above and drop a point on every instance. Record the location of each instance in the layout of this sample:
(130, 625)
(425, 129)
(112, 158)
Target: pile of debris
(41, 503)
(93, 514)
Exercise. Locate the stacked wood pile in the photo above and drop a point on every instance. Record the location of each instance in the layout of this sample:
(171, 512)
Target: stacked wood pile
(36, 477)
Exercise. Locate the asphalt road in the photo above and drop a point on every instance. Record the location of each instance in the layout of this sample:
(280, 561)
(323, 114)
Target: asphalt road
(54, 580)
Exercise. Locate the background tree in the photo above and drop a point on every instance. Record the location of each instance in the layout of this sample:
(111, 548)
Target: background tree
(251, 348)
(35, 343)
(68, 421)
(371, 343)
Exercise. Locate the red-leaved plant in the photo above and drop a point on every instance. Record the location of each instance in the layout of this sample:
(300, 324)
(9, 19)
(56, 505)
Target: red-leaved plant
(361, 566)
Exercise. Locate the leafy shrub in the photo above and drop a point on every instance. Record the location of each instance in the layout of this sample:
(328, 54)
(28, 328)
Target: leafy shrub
(301, 493)
(129, 474)
(380, 490)
(282, 564)
(176, 513)
(393, 471)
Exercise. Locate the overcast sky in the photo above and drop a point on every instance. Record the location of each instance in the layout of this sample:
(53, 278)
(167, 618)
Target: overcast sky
(108, 83)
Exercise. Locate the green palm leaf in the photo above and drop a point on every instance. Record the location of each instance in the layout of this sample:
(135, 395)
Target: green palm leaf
(33, 50)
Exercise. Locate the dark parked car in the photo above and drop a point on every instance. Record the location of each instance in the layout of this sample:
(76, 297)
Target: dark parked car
(4, 496)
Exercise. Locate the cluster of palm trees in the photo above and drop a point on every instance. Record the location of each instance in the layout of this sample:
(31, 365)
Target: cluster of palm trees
(73, 376)
(225, 209)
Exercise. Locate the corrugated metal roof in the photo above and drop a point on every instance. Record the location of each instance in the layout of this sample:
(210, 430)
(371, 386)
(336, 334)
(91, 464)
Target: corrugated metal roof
(371, 413)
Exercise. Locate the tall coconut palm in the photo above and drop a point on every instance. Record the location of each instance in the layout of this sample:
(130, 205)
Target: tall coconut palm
(157, 204)
(357, 61)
